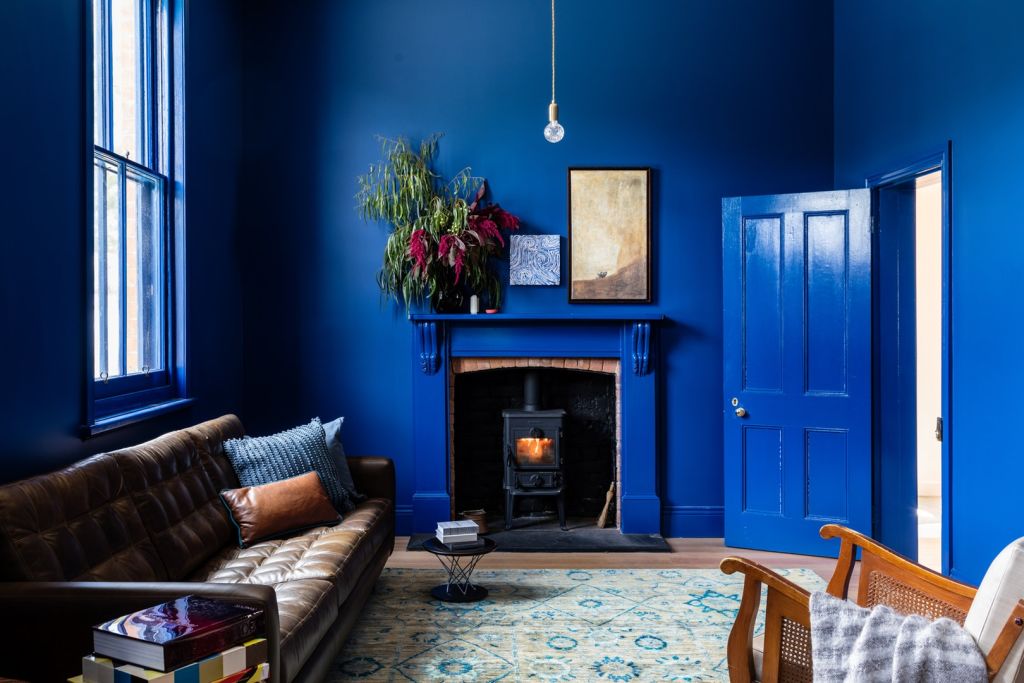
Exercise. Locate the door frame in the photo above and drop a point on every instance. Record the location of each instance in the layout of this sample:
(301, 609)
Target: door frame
(938, 160)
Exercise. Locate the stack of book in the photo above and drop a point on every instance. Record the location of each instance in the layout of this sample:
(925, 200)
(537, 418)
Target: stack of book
(195, 639)
(460, 535)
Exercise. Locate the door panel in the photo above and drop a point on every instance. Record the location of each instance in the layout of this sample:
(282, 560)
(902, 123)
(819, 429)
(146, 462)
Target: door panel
(762, 296)
(797, 361)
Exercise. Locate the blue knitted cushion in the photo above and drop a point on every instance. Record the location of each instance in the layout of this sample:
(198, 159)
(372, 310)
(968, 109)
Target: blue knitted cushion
(265, 459)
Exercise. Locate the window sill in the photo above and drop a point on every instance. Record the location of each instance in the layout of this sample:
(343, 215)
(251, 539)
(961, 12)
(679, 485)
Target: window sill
(119, 420)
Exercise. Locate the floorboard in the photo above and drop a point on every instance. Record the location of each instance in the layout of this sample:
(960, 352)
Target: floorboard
(687, 553)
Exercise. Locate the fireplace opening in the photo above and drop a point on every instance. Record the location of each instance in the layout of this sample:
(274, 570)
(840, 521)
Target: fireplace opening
(542, 438)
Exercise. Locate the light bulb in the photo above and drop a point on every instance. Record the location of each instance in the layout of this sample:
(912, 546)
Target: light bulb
(553, 132)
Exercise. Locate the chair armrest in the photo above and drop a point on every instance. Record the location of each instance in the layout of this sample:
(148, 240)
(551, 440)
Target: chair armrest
(373, 475)
(49, 624)
(762, 574)
(1006, 639)
(785, 598)
(877, 557)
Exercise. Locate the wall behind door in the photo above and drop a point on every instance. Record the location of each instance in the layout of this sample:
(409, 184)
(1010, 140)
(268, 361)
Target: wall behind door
(908, 76)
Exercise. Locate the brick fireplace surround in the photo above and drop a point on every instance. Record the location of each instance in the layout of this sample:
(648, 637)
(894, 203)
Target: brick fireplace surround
(621, 344)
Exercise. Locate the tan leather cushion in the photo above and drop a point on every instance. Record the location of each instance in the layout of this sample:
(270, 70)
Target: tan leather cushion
(271, 510)
(307, 610)
(76, 524)
(997, 595)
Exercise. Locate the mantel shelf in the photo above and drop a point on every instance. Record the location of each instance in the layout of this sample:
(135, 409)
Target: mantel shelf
(484, 318)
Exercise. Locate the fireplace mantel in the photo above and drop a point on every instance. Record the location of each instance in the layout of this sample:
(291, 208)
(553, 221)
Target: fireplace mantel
(629, 337)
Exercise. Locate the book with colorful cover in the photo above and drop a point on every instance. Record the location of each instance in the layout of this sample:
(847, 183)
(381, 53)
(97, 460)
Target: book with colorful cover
(168, 636)
(245, 657)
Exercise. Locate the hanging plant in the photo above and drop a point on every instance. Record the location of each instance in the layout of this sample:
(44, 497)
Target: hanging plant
(442, 235)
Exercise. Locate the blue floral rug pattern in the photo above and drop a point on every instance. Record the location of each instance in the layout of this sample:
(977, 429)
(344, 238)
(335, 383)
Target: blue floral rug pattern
(551, 625)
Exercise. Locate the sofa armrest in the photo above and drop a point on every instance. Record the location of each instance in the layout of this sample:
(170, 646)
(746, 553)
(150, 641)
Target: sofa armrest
(374, 476)
(49, 624)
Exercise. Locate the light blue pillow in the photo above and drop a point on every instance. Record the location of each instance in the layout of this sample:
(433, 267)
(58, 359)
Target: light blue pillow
(265, 459)
(332, 430)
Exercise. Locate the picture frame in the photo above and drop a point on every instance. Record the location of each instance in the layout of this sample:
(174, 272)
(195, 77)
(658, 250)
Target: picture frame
(609, 235)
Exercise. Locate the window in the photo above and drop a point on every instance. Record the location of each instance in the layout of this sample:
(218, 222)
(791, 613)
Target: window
(133, 358)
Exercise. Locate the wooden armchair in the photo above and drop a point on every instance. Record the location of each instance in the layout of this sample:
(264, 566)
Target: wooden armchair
(783, 652)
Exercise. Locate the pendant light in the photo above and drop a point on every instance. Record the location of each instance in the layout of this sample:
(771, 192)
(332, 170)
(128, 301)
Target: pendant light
(553, 132)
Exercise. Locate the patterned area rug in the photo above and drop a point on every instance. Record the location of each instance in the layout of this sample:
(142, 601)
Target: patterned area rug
(603, 625)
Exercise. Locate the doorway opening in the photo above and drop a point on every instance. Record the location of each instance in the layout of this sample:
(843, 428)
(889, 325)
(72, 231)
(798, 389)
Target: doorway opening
(911, 373)
(928, 323)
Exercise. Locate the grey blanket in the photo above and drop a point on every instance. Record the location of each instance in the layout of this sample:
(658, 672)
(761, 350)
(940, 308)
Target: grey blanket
(850, 643)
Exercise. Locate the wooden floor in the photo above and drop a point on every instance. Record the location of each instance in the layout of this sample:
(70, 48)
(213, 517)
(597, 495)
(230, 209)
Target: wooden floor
(691, 553)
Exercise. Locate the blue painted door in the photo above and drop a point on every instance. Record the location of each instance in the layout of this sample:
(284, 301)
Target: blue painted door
(797, 368)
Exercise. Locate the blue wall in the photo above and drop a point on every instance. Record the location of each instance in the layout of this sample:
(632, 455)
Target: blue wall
(910, 75)
(42, 199)
(721, 98)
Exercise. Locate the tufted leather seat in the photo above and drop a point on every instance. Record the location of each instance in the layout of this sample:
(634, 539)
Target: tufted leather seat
(152, 513)
(320, 553)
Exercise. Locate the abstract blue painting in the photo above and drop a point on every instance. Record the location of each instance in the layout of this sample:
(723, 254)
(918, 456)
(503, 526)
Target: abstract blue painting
(535, 260)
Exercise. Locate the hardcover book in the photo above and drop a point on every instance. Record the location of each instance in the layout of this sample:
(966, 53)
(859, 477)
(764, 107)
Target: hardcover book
(462, 527)
(169, 636)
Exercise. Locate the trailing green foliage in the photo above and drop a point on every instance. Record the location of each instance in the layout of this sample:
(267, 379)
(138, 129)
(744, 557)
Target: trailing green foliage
(440, 236)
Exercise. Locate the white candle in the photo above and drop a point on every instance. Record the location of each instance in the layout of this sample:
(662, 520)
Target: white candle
(474, 304)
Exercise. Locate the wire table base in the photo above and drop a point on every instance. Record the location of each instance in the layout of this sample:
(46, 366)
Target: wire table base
(459, 567)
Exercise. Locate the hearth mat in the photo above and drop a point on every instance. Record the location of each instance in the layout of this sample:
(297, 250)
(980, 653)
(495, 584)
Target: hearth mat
(582, 537)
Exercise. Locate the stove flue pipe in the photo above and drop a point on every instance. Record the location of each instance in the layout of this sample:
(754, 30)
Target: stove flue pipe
(531, 391)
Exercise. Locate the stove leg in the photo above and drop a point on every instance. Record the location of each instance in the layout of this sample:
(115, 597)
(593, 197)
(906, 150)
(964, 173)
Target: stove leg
(509, 502)
(561, 511)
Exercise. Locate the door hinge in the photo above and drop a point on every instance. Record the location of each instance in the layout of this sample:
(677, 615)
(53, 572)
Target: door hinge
(874, 224)
(938, 429)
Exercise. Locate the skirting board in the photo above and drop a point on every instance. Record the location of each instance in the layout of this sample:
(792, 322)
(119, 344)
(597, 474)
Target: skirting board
(693, 521)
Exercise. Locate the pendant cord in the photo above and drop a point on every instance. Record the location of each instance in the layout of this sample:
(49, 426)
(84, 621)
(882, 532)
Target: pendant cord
(552, 50)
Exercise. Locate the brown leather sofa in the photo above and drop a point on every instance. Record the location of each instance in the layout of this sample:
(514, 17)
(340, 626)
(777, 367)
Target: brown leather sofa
(124, 530)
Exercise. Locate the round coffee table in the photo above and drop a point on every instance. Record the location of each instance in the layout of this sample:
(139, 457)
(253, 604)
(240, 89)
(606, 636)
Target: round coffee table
(459, 563)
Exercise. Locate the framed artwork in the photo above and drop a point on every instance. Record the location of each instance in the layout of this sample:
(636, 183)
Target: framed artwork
(535, 260)
(609, 235)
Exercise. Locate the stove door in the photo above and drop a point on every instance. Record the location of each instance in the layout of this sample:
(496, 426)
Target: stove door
(535, 446)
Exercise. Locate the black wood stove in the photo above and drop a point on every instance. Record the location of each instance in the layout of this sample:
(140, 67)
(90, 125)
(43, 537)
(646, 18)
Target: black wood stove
(533, 451)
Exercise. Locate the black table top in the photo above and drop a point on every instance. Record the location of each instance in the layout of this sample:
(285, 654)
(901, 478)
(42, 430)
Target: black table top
(432, 545)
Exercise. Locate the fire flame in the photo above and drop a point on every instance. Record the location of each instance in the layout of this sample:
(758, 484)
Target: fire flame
(531, 451)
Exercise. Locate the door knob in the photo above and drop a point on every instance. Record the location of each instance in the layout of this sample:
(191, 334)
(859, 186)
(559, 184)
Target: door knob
(741, 412)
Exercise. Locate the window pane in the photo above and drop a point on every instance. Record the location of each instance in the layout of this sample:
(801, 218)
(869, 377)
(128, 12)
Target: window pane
(107, 270)
(144, 262)
(129, 59)
(100, 86)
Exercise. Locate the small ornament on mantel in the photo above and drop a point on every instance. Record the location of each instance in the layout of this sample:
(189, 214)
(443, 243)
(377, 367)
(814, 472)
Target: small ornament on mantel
(474, 304)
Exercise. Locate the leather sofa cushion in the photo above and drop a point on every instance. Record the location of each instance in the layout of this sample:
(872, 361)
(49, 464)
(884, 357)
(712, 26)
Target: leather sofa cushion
(369, 515)
(209, 438)
(274, 509)
(307, 610)
(76, 524)
(338, 554)
(177, 501)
